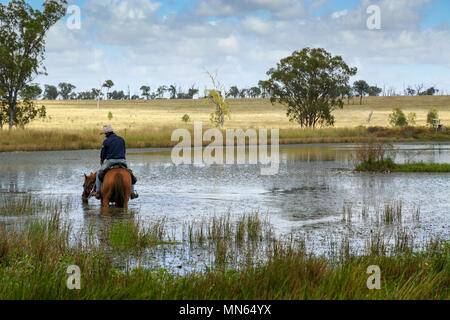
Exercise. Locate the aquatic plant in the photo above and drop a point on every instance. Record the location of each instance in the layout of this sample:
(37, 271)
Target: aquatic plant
(28, 204)
(35, 255)
(130, 234)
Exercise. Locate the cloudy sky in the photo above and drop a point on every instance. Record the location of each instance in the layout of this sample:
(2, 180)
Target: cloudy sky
(136, 42)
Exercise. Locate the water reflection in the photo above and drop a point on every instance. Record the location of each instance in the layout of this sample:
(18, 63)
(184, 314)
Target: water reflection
(313, 185)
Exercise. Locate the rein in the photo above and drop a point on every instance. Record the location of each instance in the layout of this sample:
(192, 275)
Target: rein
(91, 194)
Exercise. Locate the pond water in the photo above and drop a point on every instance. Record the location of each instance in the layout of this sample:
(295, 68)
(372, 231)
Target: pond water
(314, 184)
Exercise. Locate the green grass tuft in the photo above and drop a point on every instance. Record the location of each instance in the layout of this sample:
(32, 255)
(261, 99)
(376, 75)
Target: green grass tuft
(132, 235)
(388, 165)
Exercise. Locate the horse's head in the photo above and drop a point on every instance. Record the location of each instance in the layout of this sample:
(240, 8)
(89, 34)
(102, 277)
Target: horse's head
(88, 186)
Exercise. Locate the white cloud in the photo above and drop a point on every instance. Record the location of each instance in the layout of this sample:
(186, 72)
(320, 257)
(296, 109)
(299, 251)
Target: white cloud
(256, 25)
(338, 14)
(228, 45)
(214, 8)
(129, 42)
(284, 9)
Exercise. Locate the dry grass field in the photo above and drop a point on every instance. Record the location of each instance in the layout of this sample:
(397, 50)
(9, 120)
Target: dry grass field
(72, 125)
(142, 115)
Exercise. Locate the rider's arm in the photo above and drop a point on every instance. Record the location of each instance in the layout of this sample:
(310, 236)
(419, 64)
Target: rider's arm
(103, 153)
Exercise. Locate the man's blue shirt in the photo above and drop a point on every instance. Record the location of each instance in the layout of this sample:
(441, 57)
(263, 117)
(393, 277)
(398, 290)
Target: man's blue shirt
(113, 148)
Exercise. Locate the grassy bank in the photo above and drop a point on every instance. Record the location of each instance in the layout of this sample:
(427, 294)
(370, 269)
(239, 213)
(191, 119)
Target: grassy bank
(47, 140)
(376, 156)
(72, 125)
(34, 259)
(422, 167)
(387, 165)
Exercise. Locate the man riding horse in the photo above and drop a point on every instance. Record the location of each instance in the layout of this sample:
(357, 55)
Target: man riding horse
(112, 153)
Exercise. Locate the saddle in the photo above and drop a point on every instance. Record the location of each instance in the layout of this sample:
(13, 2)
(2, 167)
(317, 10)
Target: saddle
(102, 175)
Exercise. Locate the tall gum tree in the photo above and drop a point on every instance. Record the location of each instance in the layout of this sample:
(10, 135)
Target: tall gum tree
(22, 46)
(309, 83)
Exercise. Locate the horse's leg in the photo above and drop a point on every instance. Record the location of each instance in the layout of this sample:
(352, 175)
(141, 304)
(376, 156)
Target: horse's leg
(104, 211)
(106, 195)
(127, 191)
(105, 203)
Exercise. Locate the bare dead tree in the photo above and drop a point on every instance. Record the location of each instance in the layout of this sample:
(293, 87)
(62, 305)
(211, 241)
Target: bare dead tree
(419, 88)
(99, 93)
(217, 97)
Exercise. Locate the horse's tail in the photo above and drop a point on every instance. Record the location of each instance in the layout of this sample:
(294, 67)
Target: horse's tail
(119, 190)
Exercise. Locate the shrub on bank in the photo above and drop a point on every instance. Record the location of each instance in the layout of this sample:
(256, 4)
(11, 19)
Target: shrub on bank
(384, 165)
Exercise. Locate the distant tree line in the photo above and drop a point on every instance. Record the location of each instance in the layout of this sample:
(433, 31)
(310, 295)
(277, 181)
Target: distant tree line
(66, 91)
(419, 90)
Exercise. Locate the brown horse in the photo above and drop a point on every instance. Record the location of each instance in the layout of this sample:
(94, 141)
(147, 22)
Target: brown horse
(116, 188)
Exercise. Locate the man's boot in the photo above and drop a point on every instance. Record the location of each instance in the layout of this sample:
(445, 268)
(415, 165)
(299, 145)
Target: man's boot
(134, 195)
(97, 195)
